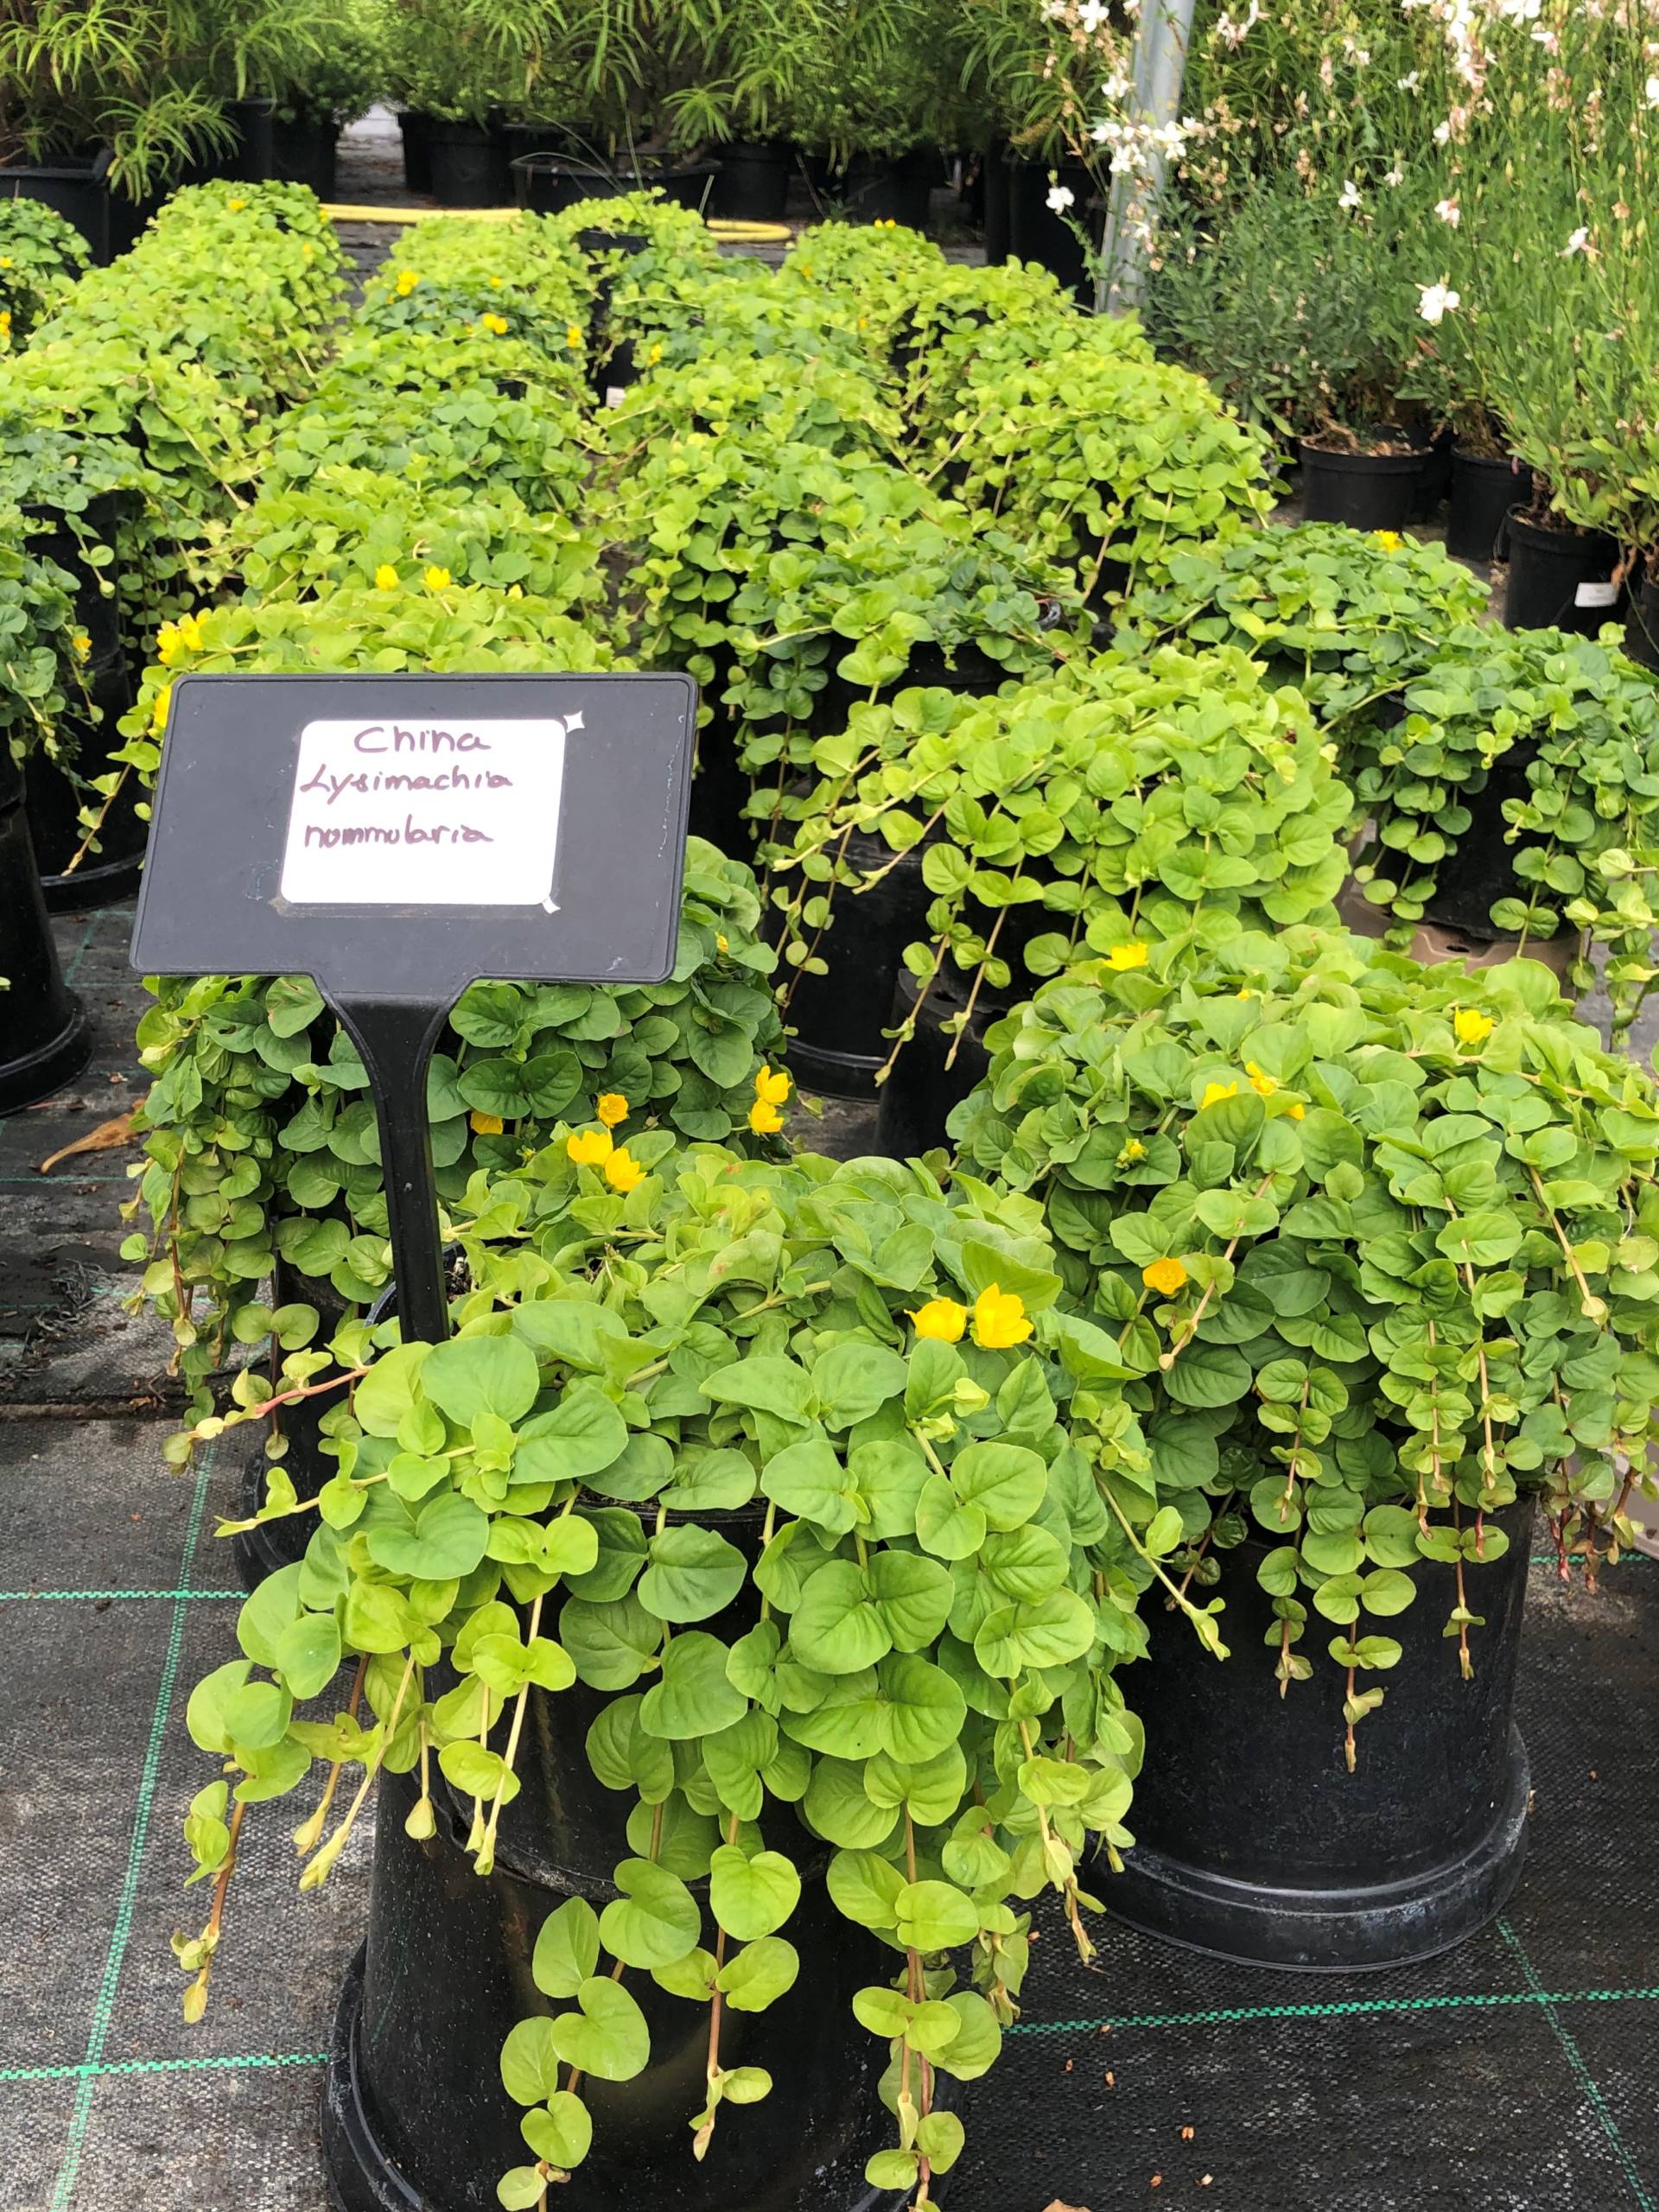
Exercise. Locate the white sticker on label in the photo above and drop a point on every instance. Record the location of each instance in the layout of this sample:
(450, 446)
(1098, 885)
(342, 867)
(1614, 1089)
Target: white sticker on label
(1596, 595)
(387, 813)
(615, 394)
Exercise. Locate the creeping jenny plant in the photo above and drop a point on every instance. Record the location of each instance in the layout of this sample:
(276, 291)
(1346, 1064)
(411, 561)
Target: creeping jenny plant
(1371, 1248)
(770, 1456)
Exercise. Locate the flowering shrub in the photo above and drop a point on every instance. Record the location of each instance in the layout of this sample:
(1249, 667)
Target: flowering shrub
(1365, 1248)
(1581, 724)
(839, 1570)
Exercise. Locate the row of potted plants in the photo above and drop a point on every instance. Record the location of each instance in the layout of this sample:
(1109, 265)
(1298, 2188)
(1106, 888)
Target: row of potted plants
(130, 415)
(824, 1504)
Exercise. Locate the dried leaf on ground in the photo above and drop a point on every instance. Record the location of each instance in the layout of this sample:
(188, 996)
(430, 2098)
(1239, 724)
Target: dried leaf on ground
(108, 1136)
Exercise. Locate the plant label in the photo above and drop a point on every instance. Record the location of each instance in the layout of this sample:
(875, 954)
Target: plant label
(387, 812)
(402, 836)
(1593, 594)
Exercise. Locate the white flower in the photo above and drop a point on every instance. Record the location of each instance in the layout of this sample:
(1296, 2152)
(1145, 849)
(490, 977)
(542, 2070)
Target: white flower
(1406, 84)
(1449, 211)
(1578, 243)
(1396, 175)
(1349, 196)
(1060, 197)
(1092, 15)
(1442, 132)
(1437, 301)
(1653, 91)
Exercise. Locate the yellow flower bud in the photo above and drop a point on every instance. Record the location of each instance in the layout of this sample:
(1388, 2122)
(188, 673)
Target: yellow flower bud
(1472, 1027)
(772, 1088)
(612, 1108)
(385, 577)
(438, 580)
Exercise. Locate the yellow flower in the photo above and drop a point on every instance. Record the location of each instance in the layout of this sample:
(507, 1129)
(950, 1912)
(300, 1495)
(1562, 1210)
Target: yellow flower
(169, 644)
(438, 580)
(623, 1171)
(999, 1319)
(1132, 954)
(1390, 540)
(654, 356)
(772, 1089)
(765, 1119)
(1473, 1026)
(942, 1318)
(1165, 1276)
(612, 1107)
(5, 261)
(1133, 1150)
(82, 643)
(573, 335)
(385, 577)
(495, 324)
(485, 1125)
(1297, 1112)
(189, 630)
(1247, 993)
(720, 944)
(1263, 1085)
(589, 1147)
(236, 206)
(158, 712)
(407, 280)
(495, 283)
(1214, 1092)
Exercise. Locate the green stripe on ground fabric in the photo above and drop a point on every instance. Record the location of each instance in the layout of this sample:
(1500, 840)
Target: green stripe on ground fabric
(242, 2063)
(1229, 2016)
(104, 2007)
(1581, 2074)
(100, 1596)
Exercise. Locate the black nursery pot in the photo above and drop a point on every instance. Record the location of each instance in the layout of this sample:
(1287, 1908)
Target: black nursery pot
(993, 171)
(417, 151)
(278, 148)
(1483, 489)
(917, 1098)
(47, 1040)
(1255, 1843)
(77, 190)
(1642, 624)
(468, 165)
(1482, 870)
(898, 191)
(414, 2115)
(546, 184)
(838, 1019)
(753, 185)
(53, 798)
(1560, 579)
(1036, 233)
(1368, 491)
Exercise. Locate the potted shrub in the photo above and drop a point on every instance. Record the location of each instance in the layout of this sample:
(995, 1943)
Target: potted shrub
(734, 1676)
(47, 1039)
(1096, 811)
(1294, 306)
(1512, 803)
(1368, 1249)
(41, 257)
(878, 99)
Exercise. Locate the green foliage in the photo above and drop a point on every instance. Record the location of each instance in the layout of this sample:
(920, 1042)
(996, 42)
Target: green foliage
(902, 1633)
(41, 256)
(1363, 1249)
(1113, 804)
(1348, 617)
(1581, 723)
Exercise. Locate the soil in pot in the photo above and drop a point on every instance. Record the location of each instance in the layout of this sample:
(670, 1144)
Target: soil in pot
(753, 185)
(872, 191)
(1483, 489)
(1253, 1840)
(1368, 491)
(468, 165)
(1559, 578)
(47, 1038)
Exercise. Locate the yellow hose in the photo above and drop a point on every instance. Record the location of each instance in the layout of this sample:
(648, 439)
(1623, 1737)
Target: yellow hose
(727, 232)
